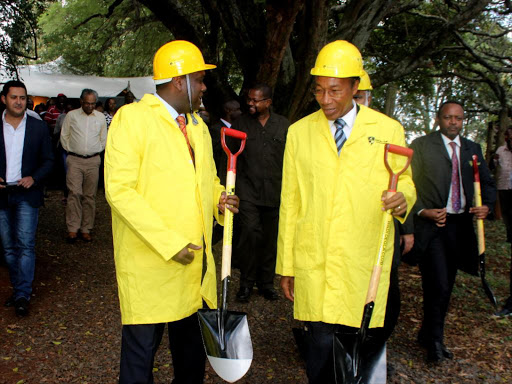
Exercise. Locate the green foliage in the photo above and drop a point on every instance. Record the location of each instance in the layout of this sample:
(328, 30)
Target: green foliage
(472, 66)
(18, 32)
(120, 45)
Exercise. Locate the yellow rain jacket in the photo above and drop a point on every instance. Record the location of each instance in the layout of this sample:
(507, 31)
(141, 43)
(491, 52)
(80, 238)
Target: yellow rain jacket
(330, 219)
(160, 203)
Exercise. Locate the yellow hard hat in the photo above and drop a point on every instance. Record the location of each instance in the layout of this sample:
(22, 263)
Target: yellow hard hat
(365, 84)
(177, 58)
(338, 59)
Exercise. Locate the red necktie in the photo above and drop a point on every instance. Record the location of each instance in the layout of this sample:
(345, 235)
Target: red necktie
(455, 179)
(183, 126)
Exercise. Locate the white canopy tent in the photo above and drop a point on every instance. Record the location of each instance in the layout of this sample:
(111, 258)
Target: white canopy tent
(45, 80)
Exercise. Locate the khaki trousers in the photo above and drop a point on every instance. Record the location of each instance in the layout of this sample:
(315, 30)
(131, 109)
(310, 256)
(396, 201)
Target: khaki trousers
(82, 182)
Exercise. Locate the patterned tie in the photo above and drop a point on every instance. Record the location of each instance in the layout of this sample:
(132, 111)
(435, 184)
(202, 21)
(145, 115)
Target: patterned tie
(455, 179)
(339, 136)
(183, 126)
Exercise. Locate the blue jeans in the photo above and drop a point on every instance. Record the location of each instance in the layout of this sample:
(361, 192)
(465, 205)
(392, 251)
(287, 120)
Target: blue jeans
(18, 225)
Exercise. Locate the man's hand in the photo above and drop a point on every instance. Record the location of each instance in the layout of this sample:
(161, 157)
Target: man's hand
(232, 202)
(396, 203)
(2, 181)
(26, 182)
(288, 287)
(436, 215)
(185, 256)
(480, 212)
(408, 241)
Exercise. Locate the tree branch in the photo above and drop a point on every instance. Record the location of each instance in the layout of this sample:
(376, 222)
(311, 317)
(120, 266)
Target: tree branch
(109, 13)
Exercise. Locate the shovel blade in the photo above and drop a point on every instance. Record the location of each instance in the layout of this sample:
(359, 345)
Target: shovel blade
(227, 342)
(371, 361)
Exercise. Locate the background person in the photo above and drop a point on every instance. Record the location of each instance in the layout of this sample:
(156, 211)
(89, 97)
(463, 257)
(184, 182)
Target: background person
(83, 137)
(502, 161)
(258, 184)
(26, 160)
(443, 218)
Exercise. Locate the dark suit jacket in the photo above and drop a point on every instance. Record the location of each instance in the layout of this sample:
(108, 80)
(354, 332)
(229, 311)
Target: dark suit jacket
(37, 161)
(219, 156)
(431, 168)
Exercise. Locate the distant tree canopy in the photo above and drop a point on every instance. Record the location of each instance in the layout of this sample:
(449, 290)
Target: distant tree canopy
(18, 32)
(418, 53)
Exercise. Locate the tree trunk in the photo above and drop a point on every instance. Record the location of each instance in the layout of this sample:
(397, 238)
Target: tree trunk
(389, 106)
(280, 17)
(311, 34)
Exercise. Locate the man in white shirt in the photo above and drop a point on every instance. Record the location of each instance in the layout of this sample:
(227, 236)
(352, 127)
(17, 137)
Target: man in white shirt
(443, 218)
(83, 137)
(26, 160)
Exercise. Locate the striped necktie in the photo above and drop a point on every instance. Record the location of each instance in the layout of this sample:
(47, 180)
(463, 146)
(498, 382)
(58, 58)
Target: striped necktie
(183, 127)
(339, 135)
(456, 204)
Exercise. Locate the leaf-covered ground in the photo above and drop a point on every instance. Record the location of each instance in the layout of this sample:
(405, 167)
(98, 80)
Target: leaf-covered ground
(73, 332)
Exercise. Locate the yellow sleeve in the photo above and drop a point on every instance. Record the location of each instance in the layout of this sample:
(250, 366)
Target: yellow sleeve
(288, 212)
(123, 158)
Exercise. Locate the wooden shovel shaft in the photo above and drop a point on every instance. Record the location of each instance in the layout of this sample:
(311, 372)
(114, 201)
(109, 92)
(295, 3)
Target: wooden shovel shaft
(479, 222)
(379, 260)
(227, 240)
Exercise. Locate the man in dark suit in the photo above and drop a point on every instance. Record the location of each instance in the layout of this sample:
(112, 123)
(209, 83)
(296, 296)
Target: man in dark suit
(443, 218)
(26, 160)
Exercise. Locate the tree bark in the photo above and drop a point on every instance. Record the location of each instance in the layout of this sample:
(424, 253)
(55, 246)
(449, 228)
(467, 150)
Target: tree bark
(280, 17)
(389, 106)
(311, 34)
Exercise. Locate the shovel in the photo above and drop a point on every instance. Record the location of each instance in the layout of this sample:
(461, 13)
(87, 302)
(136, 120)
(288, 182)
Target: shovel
(481, 236)
(226, 336)
(350, 367)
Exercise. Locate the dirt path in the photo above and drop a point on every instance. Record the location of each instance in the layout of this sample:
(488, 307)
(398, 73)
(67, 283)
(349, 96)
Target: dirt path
(73, 332)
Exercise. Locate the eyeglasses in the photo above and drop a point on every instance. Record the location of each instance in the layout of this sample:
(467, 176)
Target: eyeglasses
(319, 93)
(249, 100)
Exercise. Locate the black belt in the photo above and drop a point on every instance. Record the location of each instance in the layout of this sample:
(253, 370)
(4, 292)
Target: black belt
(83, 156)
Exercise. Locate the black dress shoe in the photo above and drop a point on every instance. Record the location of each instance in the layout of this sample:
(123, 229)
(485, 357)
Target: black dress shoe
(21, 307)
(446, 353)
(243, 295)
(435, 352)
(269, 294)
(10, 301)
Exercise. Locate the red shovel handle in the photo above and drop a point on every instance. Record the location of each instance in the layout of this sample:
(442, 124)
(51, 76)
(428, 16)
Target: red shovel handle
(476, 172)
(398, 150)
(237, 135)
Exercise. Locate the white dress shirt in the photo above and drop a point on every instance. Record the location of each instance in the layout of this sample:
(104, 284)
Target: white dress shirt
(84, 134)
(349, 118)
(168, 106)
(449, 208)
(13, 140)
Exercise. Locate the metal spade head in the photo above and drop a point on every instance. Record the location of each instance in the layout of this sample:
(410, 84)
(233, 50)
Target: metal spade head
(359, 364)
(227, 342)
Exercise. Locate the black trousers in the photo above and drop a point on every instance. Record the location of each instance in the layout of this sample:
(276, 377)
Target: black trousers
(319, 336)
(438, 267)
(257, 244)
(140, 343)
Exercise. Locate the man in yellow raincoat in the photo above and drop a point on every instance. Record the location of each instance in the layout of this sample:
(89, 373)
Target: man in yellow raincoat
(161, 183)
(332, 207)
